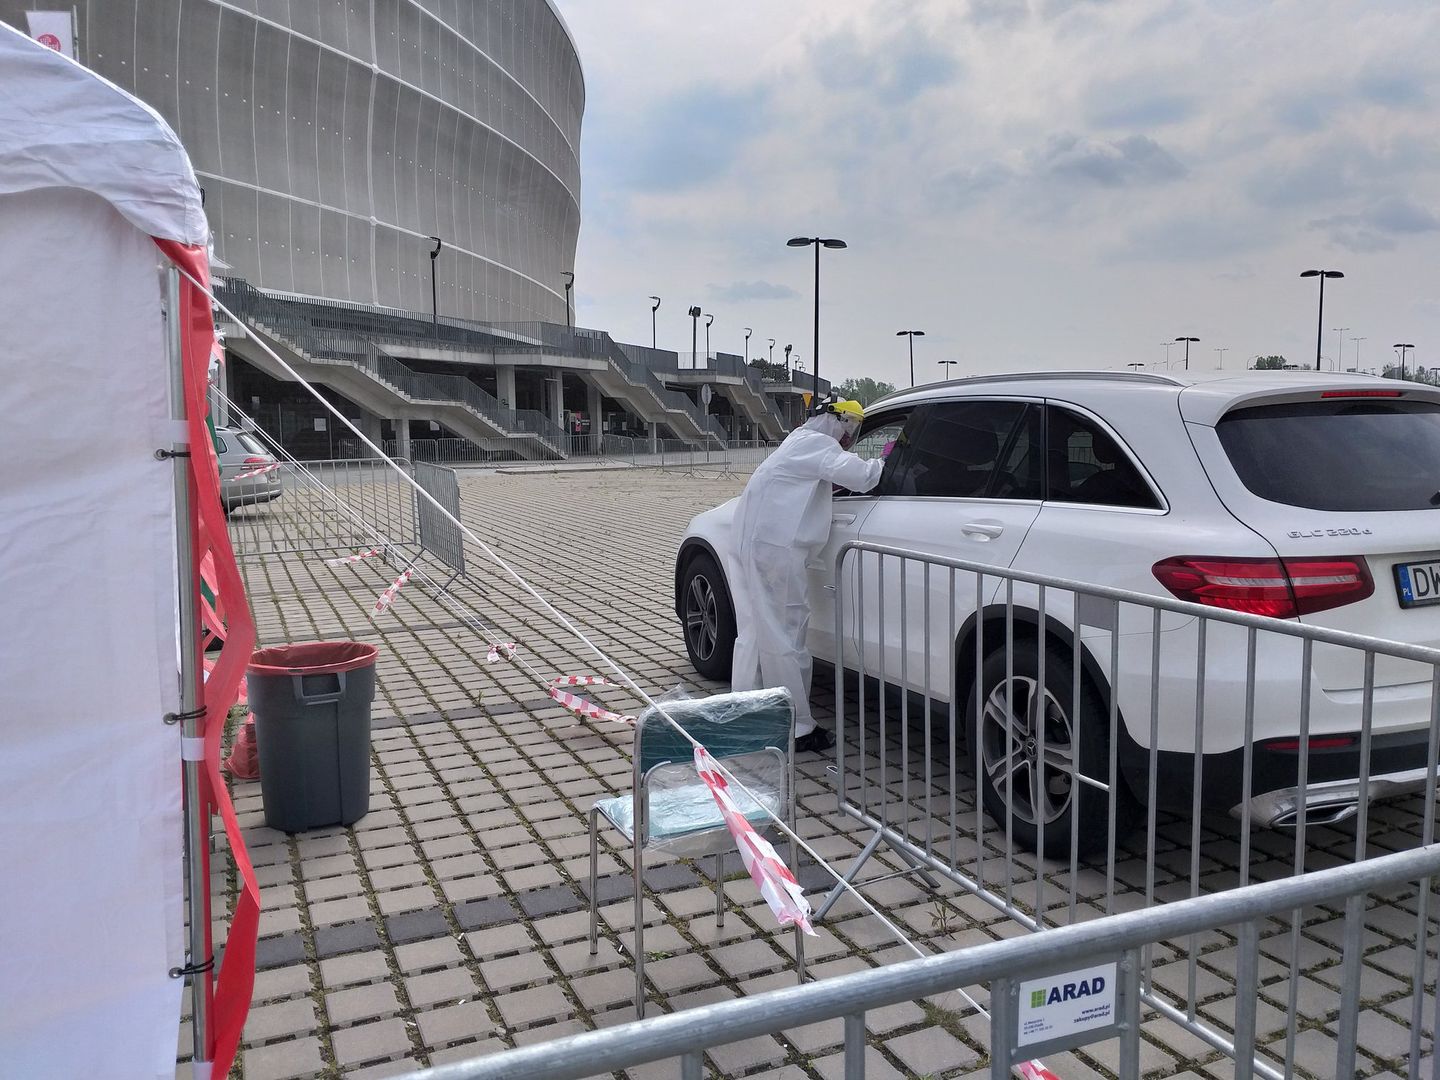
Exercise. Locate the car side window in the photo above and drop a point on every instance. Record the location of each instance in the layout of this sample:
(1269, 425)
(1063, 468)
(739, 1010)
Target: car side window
(974, 450)
(1087, 466)
(880, 437)
(221, 446)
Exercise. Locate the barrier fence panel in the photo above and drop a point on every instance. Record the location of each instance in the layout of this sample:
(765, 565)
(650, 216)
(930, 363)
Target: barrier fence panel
(1149, 749)
(1074, 986)
(318, 507)
(438, 534)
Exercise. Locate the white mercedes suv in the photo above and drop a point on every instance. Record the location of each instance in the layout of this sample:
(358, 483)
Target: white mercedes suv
(1298, 495)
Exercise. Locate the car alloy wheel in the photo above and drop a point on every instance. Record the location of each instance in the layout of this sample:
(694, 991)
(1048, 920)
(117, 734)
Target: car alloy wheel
(1016, 714)
(702, 623)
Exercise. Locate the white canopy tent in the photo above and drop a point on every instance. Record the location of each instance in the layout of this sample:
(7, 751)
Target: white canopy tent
(91, 815)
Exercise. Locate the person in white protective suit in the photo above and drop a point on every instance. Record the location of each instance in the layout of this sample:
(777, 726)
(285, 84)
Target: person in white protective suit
(781, 522)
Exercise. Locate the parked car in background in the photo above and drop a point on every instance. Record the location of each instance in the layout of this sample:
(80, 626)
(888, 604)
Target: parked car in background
(242, 455)
(1297, 495)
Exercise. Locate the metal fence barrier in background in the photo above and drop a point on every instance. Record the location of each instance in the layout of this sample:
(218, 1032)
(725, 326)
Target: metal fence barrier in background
(1025, 974)
(438, 534)
(1152, 750)
(323, 508)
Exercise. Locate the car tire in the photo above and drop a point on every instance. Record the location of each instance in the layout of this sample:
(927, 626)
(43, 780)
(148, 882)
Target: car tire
(707, 617)
(1007, 747)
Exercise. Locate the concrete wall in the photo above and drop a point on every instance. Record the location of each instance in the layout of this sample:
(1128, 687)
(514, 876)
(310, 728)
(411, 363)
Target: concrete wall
(333, 137)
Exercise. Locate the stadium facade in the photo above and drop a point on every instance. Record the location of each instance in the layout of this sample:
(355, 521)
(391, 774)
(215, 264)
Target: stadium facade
(340, 143)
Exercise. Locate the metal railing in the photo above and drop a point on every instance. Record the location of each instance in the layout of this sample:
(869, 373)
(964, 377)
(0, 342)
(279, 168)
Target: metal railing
(324, 508)
(438, 534)
(1009, 966)
(1141, 744)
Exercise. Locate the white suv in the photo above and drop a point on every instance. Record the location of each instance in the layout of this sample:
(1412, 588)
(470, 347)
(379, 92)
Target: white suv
(1290, 494)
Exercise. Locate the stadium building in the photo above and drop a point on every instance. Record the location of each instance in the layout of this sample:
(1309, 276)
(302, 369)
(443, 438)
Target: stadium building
(394, 192)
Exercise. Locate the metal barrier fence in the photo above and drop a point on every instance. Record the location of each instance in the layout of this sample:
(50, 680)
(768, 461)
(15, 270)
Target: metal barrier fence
(452, 451)
(438, 534)
(1022, 1025)
(324, 507)
(1112, 731)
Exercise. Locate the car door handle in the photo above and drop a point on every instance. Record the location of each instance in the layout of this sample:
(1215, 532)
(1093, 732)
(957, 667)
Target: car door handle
(843, 519)
(982, 530)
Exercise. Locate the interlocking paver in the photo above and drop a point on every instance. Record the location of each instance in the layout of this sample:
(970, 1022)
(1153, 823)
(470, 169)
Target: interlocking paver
(477, 820)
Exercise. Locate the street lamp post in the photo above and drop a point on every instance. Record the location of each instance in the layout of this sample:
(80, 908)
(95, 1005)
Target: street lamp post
(1357, 341)
(1187, 341)
(1135, 364)
(1340, 346)
(434, 295)
(772, 352)
(817, 242)
(569, 276)
(1320, 316)
(1403, 346)
(948, 365)
(1220, 364)
(653, 309)
(912, 335)
(695, 314)
(748, 332)
(708, 320)
(787, 361)
(1168, 346)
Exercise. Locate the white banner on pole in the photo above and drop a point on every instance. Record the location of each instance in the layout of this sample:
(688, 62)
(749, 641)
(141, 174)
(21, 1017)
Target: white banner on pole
(53, 29)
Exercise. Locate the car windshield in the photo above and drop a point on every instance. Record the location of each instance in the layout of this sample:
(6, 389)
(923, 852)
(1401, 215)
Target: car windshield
(1350, 454)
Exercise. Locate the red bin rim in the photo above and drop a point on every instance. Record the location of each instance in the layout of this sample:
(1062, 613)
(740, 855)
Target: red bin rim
(312, 658)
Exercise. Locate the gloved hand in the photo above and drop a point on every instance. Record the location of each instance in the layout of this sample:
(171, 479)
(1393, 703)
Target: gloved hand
(885, 450)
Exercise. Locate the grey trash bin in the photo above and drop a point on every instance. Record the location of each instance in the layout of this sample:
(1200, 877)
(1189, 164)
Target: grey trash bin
(312, 730)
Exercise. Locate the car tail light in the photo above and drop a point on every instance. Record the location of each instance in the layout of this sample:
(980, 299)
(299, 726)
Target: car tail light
(253, 460)
(1280, 588)
(1360, 393)
(1317, 742)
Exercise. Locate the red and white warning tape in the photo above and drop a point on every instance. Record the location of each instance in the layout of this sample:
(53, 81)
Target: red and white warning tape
(1034, 1070)
(578, 705)
(503, 648)
(260, 470)
(388, 596)
(346, 560)
(769, 872)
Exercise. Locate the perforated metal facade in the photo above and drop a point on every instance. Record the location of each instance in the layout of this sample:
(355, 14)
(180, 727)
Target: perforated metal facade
(334, 137)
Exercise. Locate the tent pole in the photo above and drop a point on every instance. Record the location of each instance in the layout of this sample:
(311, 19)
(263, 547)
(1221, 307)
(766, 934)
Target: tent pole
(197, 818)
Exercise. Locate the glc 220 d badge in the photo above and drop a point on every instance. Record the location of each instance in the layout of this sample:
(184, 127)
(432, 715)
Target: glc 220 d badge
(1311, 533)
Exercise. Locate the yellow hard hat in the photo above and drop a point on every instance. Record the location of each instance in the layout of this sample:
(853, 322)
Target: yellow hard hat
(847, 410)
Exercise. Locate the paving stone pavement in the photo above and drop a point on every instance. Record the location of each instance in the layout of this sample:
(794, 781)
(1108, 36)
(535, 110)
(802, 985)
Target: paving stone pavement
(451, 920)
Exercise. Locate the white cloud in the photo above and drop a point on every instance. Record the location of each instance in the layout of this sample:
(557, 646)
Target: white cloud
(1030, 181)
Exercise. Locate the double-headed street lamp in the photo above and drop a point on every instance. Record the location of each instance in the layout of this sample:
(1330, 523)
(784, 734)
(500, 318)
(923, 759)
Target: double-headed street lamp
(1340, 346)
(1187, 341)
(1220, 364)
(1357, 341)
(653, 309)
(817, 242)
(1320, 317)
(947, 364)
(1402, 347)
(912, 335)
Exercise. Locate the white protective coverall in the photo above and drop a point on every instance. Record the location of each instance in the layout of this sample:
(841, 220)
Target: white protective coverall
(781, 522)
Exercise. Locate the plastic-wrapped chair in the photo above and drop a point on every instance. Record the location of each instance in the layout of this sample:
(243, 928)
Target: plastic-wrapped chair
(671, 810)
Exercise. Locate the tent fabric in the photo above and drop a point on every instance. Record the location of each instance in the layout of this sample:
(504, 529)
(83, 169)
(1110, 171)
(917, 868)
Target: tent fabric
(90, 801)
(90, 796)
(61, 125)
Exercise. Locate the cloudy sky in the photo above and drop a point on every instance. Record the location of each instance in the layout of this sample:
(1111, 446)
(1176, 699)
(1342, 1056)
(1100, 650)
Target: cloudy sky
(1033, 183)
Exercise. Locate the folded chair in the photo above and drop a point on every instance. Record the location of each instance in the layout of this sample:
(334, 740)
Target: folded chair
(671, 810)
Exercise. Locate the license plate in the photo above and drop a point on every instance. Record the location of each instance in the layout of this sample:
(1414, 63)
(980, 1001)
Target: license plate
(1418, 583)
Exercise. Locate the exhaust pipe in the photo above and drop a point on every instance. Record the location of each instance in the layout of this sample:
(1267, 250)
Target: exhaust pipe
(1328, 802)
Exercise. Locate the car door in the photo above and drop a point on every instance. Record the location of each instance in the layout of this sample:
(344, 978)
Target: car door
(967, 484)
(880, 432)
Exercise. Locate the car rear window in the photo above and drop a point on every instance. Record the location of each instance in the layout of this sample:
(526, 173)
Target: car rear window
(251, 444)
(1347, 454)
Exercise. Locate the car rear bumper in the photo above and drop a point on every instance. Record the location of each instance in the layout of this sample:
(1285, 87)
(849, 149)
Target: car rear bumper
(1398, 766)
